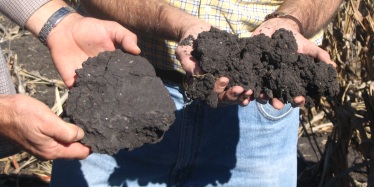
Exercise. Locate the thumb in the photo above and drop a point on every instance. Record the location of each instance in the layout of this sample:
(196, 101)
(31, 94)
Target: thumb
(125, 38)
(64, 132)
(316, 52)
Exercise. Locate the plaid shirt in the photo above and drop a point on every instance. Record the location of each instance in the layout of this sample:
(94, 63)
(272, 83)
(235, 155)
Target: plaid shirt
(239, 17)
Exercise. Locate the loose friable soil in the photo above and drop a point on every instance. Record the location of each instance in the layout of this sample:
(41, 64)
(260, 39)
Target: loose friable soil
(119, 102)
(262, 64)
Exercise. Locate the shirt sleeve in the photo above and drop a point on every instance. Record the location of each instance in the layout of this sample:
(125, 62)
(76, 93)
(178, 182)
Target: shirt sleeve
(6, 87)
(19, 11)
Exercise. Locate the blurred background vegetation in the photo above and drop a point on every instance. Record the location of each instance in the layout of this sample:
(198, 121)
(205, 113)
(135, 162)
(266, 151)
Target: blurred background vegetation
(347, 154)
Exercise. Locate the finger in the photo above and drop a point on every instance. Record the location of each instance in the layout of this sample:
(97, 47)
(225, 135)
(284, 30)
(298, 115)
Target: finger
(263, 98)
(299, 101)
(276, 103)
(245, 102)
(221, 84)
(67, 151)
(75, 151)
(247, 94)
(69, 133)
(231, 95)
(245, 98)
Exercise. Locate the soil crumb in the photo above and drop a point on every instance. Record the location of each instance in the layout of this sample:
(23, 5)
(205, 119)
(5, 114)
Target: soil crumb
(119, 102)
(263, 64)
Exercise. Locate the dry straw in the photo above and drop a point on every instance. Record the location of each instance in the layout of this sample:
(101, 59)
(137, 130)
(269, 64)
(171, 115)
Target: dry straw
(349, 39)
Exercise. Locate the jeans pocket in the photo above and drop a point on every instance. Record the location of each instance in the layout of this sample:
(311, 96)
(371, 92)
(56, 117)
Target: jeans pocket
(270, 113)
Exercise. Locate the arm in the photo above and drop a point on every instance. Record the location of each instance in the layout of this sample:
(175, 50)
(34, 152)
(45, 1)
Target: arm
(150, 17)
(313, 14)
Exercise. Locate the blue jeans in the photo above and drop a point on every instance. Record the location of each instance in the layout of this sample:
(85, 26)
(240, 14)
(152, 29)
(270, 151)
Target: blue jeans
(234, 146)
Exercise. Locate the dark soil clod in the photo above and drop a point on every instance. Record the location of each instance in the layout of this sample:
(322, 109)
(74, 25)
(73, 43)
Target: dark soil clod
(119, 102)
(262, 64)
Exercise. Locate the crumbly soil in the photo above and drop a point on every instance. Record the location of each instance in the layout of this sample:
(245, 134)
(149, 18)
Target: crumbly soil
(119, 102)
(262, 64)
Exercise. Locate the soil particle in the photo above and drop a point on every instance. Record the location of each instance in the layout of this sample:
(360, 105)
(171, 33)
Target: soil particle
(119, 102)
(262, 64)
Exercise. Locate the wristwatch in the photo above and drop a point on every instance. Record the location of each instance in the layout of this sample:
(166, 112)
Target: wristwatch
(52, 22)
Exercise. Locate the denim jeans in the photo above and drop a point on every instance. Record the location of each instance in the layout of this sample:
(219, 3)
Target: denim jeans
(234, 146)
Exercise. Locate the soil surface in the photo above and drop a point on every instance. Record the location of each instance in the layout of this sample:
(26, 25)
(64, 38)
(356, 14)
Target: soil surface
(262, 64)
(119, 102)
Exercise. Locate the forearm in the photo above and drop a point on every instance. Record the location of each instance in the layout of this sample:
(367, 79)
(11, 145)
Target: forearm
(313, 14)
(36, 21)
(149, 17)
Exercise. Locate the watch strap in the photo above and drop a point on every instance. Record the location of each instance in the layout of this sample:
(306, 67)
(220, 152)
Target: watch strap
(287, 16)
(52, 22)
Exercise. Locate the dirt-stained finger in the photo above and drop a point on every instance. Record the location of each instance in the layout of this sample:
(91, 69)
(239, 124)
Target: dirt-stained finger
(221, 84)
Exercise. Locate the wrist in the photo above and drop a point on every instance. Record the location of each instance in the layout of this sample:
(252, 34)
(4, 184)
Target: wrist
(52, 22)
(292, 20)
(36, 21)
(42, 22)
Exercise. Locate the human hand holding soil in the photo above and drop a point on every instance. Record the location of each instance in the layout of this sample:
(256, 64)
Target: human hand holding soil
(76, 38)
(305, 46)
(269, 65)
(33, 126)
(183, 52)
(232, 95)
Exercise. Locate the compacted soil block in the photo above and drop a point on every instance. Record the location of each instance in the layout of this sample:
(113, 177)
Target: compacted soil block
(263, 64)
(119, 102)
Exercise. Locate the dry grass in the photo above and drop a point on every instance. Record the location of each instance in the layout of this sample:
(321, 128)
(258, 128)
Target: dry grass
(349, 118)
(350, 43)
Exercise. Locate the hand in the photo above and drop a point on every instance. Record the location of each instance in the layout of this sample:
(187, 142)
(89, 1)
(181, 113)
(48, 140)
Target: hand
(38, 130)
(76, 38)
(305, 46)
(233, 95)
(183, 52)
